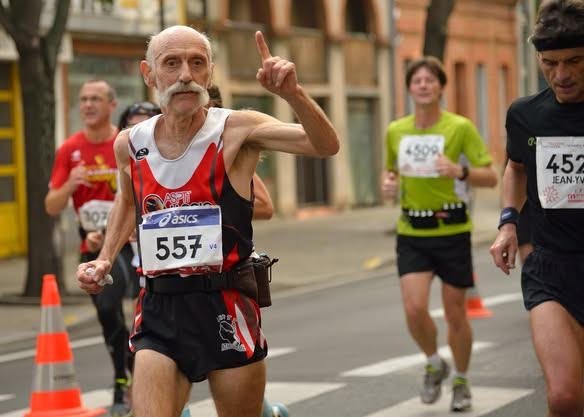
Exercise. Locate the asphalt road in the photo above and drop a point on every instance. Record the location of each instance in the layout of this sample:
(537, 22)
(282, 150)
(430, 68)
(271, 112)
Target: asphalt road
(344, 351)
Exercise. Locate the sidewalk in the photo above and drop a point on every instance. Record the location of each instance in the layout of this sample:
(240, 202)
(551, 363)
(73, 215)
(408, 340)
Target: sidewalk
(319, 250)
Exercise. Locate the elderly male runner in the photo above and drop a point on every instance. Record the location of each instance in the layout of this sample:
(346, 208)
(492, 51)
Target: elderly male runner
(546, 164)
(189, 171)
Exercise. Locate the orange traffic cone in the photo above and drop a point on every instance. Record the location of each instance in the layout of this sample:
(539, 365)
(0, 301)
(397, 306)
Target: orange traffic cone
(474, 304)
(55, 392)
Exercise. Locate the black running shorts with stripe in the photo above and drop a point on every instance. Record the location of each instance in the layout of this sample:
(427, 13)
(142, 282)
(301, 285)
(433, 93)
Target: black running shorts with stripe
(200, 331)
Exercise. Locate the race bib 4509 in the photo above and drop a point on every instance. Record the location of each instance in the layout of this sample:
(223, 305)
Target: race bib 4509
(418, 154)
(181, 237)
(560, 172)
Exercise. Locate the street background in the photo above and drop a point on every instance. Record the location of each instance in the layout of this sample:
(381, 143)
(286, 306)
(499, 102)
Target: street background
(338, 341)
(322, 249)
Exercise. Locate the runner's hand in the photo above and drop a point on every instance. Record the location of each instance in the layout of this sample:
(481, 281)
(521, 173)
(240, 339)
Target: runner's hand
(504, 248)
(94, 241)
(77, 177)
(276, 74)
(389, 185)
(92, 276)
(447, 168)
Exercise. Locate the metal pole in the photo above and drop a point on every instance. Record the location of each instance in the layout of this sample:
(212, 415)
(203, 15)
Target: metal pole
(161, 14)
(392, 45)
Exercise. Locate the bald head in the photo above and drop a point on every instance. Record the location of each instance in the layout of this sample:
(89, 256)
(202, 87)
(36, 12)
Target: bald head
(173, 34)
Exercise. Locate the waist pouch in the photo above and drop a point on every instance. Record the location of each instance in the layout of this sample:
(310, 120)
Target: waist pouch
(453, 213)
(242, 278)
(262, 267)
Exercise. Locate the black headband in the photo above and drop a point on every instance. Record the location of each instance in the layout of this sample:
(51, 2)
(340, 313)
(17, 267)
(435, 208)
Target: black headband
(559, 42)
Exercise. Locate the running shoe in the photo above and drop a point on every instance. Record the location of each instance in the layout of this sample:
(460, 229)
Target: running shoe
(433, 382)
(461, 398)
(121, 406)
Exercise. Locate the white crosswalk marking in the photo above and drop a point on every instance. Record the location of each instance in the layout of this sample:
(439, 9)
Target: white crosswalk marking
(275, 352)
(485, 400)
(402, 362)
(102, 398)
(276, 392)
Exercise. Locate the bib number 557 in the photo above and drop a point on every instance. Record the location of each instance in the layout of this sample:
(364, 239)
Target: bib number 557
(179, 247)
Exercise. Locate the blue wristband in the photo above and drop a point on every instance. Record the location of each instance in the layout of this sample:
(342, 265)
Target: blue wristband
(508, 215)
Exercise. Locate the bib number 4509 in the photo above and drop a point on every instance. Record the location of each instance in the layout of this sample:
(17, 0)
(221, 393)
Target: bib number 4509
(179, 247)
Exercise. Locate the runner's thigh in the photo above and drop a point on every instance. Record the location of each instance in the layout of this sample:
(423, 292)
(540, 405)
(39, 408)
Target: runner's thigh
(159, 388)
(239, 391)
(562, 363)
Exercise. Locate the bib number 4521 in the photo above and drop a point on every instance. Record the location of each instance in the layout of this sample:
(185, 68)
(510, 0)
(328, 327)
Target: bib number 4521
(567, 166)
(179, 247)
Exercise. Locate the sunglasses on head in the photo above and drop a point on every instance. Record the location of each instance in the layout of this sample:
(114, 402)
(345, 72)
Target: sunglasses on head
(144, 108)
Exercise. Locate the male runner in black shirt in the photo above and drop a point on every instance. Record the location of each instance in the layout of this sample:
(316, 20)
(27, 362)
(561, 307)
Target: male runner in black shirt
(546, 150)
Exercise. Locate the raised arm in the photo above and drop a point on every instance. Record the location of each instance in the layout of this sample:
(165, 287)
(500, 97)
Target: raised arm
(315, 135)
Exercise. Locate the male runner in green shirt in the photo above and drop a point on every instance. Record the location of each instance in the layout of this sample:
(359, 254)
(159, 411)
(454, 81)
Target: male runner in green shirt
(433, 232)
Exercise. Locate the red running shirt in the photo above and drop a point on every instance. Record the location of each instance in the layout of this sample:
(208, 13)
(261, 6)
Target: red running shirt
(100, 164)
(99, 161)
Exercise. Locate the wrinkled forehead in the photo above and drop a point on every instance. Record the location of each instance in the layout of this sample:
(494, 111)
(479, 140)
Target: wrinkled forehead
(94, 88)
(180, 40)
(562, 54)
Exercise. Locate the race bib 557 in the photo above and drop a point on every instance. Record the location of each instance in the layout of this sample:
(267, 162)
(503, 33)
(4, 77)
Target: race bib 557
(181, 237)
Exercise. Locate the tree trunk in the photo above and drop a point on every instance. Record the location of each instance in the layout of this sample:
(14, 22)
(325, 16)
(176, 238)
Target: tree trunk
(36, 65)
(436, 30)
(38, 98)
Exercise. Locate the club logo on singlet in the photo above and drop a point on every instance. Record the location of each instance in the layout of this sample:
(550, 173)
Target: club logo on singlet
(141, 154)
(153, 202)
(228, 333)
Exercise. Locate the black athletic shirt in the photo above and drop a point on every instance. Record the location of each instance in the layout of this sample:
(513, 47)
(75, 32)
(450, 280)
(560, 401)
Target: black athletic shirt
(559, 230)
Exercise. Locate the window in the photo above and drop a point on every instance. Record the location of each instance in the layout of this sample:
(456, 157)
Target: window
(482, 101)
(460, 89)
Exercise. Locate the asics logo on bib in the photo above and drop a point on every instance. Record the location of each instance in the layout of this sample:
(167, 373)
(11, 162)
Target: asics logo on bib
(177, 219)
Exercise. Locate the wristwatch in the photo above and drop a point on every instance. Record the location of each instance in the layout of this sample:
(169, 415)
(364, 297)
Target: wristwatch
(464, 173)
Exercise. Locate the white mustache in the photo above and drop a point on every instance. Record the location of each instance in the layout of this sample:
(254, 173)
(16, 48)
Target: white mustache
(179, 87)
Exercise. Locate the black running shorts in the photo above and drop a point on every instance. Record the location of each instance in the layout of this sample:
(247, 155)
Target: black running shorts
(449, 257)
(549, 276)
(200, 331)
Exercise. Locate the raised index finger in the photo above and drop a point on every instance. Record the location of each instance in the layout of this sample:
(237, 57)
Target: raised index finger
(262, 46)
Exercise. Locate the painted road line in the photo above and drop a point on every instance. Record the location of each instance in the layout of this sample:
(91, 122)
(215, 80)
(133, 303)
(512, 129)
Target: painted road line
(276, 392)
(275, 352)
(402, 362)
(98, 340)
(29, 353)
(487, 302)
(6, 397)
(485, 400)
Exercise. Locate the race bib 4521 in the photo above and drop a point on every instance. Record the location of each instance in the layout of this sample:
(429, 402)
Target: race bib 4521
(560, 172)
(181, 237)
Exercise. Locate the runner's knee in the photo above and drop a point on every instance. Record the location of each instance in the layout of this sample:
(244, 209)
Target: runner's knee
(564, 400)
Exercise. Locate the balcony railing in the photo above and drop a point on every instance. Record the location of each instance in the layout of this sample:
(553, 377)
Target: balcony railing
(360, 62)
(308, 52)
(243, 57)
(124, 17)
